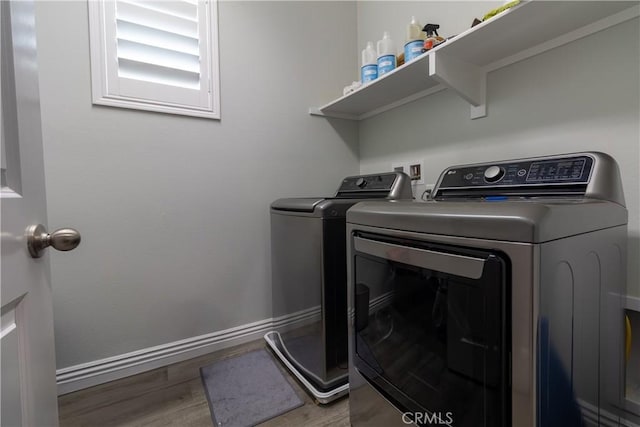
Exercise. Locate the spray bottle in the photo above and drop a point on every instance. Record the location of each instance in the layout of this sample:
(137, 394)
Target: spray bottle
(369, 69)
(433, 39)
(386, 54)
(414, 41)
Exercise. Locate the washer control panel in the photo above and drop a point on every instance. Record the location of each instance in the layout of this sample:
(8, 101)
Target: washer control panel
(387, 185)
(368, 182)
(566, 170)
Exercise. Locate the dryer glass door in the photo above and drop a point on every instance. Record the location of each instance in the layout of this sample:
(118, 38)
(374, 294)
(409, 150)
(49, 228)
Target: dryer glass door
(431, 328)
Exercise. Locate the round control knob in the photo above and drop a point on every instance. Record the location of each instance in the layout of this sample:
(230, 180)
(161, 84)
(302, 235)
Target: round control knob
(493, 174)
(361, 182)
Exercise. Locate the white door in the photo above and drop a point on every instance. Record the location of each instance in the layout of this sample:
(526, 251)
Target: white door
(28, 388)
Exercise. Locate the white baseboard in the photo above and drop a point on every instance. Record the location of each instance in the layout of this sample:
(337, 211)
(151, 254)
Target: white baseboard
(89, 374)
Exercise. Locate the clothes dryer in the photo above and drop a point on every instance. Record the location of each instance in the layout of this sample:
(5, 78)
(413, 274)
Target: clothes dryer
(498, 303)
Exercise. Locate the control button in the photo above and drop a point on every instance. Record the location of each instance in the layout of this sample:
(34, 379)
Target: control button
(468, 176)
(522, 172)
(493, 173)
(361, 182)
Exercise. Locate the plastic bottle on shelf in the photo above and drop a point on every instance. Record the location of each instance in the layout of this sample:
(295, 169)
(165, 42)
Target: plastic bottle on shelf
(414, 40)
(386, 54)
(433, 39)
(369, 69)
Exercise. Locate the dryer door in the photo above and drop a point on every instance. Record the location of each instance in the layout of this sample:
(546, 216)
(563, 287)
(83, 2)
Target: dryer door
(432, 329)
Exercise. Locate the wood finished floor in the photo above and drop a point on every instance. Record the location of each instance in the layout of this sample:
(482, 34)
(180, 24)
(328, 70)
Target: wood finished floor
(174, 396)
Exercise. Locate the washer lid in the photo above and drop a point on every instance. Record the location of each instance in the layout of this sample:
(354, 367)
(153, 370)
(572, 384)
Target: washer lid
(307, 204)
(528, 221)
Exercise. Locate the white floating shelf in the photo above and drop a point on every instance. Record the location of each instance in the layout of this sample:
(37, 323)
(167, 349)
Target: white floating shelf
(461, 64)
(403, 82)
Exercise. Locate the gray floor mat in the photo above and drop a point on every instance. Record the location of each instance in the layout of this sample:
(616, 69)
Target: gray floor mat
(246, 390)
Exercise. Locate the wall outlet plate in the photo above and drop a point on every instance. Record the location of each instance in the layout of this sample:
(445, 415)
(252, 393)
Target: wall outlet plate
(416, 171)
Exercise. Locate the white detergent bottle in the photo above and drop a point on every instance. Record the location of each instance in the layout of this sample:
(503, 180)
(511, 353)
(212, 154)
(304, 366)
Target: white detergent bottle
(369, 69)
(386, 54)
(414, 40)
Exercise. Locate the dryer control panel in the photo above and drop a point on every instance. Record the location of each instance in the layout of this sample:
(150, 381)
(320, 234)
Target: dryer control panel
(568, 170)
(560, 175)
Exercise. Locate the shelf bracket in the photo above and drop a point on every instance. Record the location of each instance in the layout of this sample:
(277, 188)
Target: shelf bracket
(468, 80)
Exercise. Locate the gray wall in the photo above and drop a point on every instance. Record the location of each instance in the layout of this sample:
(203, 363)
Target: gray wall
(581, 96)
(173, 210)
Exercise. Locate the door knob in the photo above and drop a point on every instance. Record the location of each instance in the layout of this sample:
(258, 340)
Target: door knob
(63, 239)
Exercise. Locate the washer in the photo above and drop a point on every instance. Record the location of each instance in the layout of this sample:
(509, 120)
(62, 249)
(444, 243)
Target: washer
(309, 280)
(498, 303)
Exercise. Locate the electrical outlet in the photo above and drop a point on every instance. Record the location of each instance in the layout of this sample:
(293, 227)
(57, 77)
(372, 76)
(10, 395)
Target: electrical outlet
(416, 171)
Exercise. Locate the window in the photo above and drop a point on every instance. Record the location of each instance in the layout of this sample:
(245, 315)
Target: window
(155, 55)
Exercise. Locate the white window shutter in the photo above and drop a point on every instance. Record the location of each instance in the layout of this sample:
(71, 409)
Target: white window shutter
(157, 55)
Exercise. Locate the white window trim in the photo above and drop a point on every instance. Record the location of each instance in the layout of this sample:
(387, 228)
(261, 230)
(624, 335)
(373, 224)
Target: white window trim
(100, 73)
